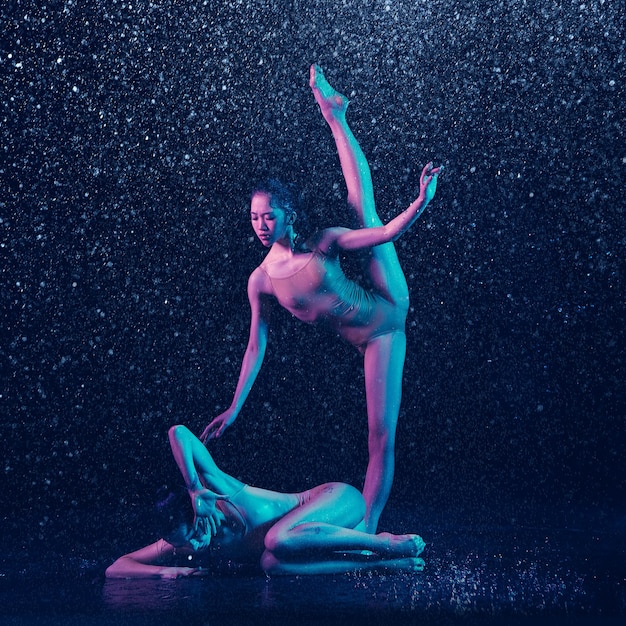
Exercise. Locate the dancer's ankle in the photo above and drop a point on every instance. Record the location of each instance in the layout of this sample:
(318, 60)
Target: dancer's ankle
(332, 103)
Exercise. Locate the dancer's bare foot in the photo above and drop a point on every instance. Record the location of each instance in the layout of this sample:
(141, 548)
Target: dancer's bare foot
(331, 102)
(407, 564)
(403, 545)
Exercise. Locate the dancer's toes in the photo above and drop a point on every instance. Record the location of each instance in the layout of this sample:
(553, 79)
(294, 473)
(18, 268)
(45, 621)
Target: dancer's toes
(412, 545)
(330, 101)
(419, 544)
(407, 564)
(417, 564)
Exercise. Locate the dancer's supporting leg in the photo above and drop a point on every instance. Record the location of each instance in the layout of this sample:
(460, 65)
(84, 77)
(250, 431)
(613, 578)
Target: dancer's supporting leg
(325, 535)
(384, 356)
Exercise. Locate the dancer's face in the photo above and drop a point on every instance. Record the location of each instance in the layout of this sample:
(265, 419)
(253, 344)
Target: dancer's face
(270, 224)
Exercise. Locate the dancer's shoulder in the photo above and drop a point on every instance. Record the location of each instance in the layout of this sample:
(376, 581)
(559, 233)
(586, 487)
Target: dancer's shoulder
(325, 240)
(259, 281)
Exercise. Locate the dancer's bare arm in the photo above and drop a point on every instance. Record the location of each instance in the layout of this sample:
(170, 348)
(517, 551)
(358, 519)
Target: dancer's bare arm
(252, 359)
(146, 563)
(347, 239)
(206, 483)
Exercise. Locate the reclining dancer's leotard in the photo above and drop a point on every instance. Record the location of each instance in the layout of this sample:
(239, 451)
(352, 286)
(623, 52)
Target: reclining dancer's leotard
(320, 291)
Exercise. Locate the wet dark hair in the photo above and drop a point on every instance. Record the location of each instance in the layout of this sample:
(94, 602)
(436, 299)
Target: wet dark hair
(282, 196)
(174, 515)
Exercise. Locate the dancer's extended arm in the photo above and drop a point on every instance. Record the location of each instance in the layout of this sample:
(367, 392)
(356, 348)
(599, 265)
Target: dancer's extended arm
(252, 360)
(368, 237)
(146, 563)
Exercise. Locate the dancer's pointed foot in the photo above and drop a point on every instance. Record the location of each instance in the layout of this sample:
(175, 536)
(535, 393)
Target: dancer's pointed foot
(331, 102)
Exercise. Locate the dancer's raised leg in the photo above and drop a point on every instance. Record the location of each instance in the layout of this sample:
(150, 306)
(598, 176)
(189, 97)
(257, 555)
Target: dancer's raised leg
(384, 270)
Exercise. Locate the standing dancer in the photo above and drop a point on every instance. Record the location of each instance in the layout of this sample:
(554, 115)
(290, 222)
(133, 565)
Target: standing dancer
(307, 280)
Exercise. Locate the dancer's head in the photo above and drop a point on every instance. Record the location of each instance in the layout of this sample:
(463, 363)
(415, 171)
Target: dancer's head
(176, 522)
(174, 517)
(281, 196)
(272, 211)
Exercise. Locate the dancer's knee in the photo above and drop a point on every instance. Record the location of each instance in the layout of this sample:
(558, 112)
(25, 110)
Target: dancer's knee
(274, 539)
(277, 538)
(270, 564)
(177, 432)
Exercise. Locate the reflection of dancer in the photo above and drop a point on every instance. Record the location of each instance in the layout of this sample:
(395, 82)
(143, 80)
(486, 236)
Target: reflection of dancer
(307, 280)
(314, 532)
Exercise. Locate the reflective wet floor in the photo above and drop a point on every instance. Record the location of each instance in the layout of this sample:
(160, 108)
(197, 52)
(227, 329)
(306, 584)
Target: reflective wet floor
(491, 575)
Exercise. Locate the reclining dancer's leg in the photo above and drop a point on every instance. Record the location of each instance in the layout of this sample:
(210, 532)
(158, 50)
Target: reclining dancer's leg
(325, 535)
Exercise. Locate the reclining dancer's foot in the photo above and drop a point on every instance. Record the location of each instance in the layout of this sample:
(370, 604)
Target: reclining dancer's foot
(403, 545)
(331, 102)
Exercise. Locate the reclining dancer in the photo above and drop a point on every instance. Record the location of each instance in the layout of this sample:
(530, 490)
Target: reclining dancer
(318, 531)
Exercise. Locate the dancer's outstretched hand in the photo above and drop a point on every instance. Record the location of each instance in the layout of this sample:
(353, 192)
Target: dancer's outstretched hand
(218, 426)
(428, 181)
(181, 572)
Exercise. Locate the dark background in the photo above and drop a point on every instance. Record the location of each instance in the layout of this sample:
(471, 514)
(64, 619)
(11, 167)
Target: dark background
(132, 133)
